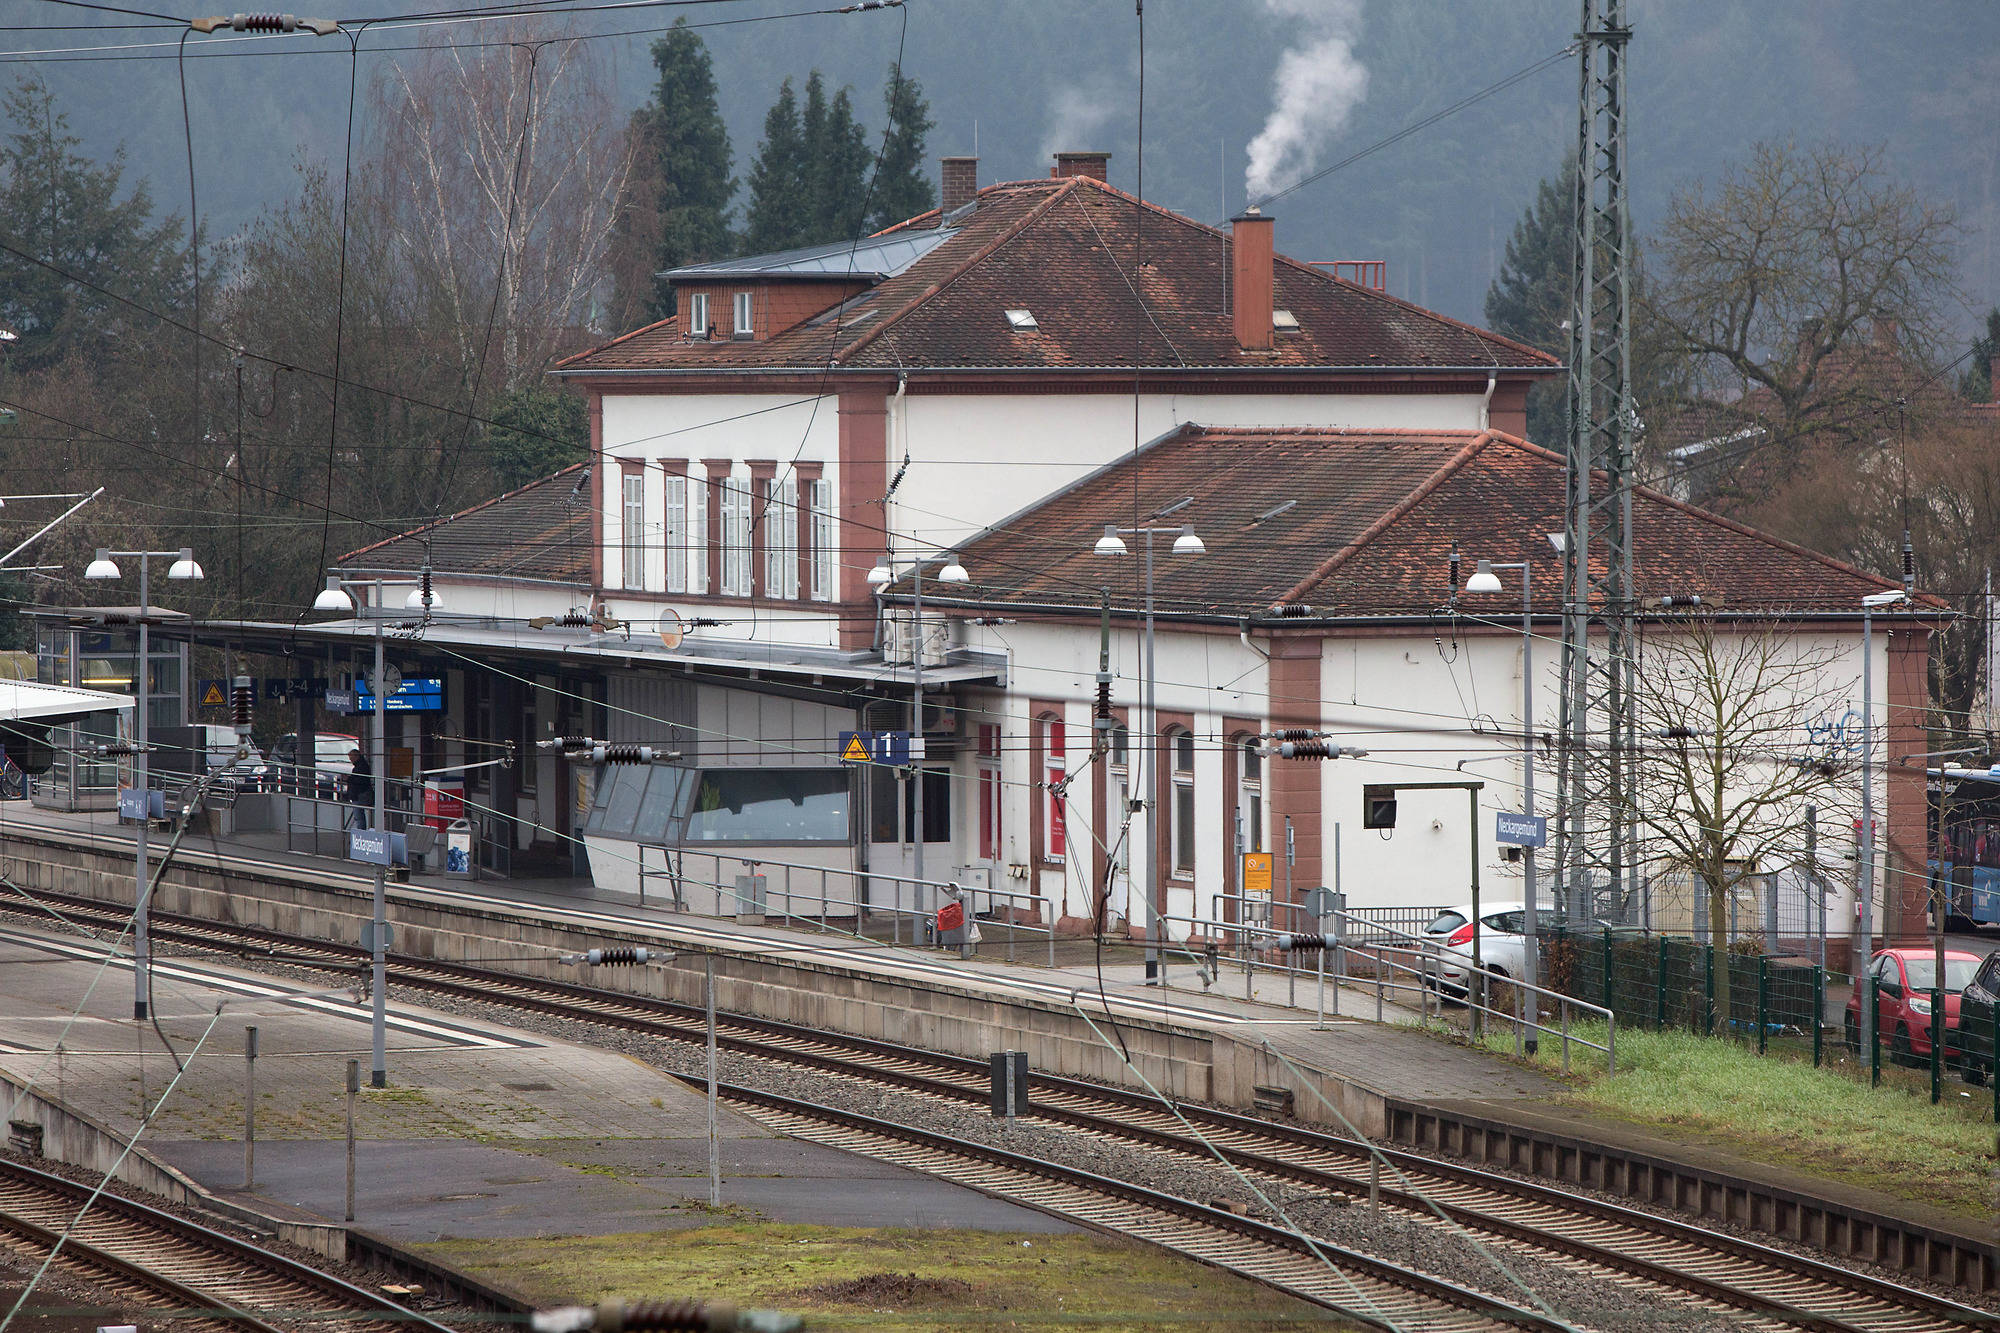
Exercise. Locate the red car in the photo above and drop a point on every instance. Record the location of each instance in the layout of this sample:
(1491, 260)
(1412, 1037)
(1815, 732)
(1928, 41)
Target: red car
(1903, 1009)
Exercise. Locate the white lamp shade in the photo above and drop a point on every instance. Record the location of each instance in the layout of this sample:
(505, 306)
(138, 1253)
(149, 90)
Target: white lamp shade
(1110, 543)
(186, 567)
(1483, 579)
(103, 567)
(333, 597)
(415, 601)
(954, 573)
(879, 576)
(1188, 544)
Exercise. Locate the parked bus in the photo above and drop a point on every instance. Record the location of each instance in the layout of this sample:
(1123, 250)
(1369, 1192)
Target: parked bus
(1965, 847)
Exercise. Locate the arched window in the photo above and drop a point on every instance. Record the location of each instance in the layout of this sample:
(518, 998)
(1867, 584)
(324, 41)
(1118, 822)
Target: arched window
(1250, 793)
(1180, 818)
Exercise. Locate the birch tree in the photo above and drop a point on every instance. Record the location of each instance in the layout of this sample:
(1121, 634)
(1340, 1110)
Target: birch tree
(1726, 763)
(507, 167)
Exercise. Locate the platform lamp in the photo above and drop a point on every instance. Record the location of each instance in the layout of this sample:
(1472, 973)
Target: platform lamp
(1112, 543)
(335, 598)
(1484, 580)
(184, 569)
(879, 578)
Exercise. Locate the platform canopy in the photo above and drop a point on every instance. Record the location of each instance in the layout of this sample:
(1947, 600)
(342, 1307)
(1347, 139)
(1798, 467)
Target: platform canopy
(31, 701)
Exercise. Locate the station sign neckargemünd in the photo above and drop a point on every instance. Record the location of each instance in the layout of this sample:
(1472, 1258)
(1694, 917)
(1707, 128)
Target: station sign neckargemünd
(1520, 830)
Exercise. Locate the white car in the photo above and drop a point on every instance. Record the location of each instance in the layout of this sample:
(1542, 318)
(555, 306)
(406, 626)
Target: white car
(1501, 944)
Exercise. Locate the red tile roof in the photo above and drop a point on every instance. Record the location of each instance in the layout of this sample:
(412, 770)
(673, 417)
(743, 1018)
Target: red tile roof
(539, 531)
(1370, 532)
(1064, 249)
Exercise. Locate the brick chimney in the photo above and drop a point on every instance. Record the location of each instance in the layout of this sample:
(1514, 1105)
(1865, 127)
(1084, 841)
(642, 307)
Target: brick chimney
(961, 182)
(1250, 252)
(1093, 165)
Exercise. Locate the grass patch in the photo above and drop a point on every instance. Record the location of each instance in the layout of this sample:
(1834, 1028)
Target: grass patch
(911, 1281)
(1781, 1110)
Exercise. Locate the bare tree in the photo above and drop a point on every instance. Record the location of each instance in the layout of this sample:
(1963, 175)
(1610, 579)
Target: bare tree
(507, 162)
(1781, 286)
(1726, 764)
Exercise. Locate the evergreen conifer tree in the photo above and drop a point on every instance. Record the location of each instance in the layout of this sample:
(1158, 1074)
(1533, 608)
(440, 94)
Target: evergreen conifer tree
(903, 187)
(681, 188)
(837, 165)
(1529, 298)
(79, 215)
(1977, 382)
(778, 211)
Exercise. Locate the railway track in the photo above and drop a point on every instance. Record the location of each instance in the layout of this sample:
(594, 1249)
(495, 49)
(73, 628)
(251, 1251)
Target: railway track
(1359, 1285)
(209, 1280)
(1760, 1285)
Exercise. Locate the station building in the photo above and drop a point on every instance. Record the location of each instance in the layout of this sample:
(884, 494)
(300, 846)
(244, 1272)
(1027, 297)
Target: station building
(991, 386)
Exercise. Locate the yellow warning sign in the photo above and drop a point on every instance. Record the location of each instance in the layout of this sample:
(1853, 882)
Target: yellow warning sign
(855, 753)
(212, 696)
(1257, 874)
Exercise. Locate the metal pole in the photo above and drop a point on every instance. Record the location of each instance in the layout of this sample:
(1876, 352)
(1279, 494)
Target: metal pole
(1292, 973)
(1531, 962)
(250, 1106)
(714, 1143)
(1339, 922)
(353, 1086)
(1865, 886)
(142, 976)
(378, 1075)
(1472, 835)
(1151, 774)
(917, 722)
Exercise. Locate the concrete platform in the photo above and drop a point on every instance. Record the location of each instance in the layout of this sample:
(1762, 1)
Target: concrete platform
(1388, 1062)
(1209, 1044)
(482, 1131)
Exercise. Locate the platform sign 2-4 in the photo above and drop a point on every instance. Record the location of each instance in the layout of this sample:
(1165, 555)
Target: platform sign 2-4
(875, 747)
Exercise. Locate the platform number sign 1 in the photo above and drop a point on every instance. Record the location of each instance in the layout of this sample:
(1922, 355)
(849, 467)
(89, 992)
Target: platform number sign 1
(875, 747)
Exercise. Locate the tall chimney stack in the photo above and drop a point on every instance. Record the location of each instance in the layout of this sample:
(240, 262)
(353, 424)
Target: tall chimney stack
(1094, 165)
(1251, 251)
(961, 182)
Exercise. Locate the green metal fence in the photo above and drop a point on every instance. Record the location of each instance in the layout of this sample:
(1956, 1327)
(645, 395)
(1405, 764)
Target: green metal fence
(1658, 981)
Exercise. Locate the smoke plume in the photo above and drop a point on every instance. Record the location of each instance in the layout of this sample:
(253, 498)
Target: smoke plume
(1318, 83)
(1077, 116)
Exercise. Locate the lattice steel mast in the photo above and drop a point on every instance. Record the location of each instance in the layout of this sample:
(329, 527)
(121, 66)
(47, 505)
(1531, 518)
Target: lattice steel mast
(1594, 842)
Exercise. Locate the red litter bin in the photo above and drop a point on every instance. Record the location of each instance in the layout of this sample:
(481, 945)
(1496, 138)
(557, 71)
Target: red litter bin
(443, 804)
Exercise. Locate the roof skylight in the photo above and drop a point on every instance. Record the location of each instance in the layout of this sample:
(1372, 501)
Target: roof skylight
(1022, 321)
(1284, 321)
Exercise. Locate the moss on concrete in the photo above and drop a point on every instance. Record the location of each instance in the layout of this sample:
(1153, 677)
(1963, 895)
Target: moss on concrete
(849, 1276)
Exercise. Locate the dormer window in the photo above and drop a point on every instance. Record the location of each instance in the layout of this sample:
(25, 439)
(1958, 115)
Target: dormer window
(1284, 321)
(744, 329)
(698, 314)
(1022, 321)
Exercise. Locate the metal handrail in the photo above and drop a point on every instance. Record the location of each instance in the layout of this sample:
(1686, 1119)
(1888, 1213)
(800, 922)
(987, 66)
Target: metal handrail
(1428, 971)
(917, 910)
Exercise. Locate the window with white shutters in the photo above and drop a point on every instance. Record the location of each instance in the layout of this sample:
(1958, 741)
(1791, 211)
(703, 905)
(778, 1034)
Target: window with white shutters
(735, 537)
(674, 533)
(821, 491)
(633, 530)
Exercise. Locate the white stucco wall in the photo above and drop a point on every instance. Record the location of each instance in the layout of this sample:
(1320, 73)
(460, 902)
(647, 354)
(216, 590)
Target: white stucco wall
(975, 459)
(1426, 709)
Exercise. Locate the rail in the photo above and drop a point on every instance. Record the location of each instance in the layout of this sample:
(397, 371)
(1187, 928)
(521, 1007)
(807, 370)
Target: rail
(817, 893)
